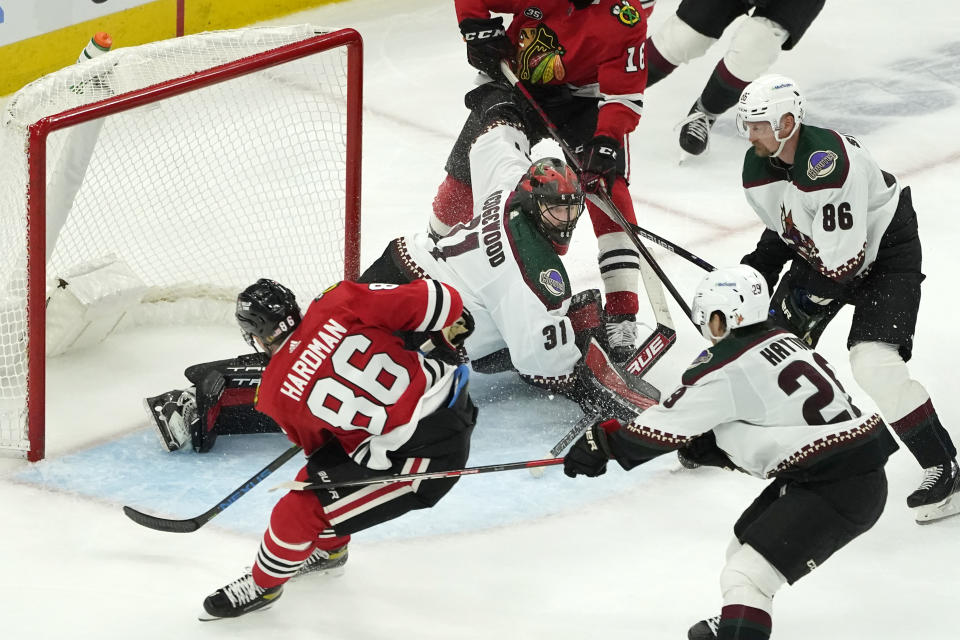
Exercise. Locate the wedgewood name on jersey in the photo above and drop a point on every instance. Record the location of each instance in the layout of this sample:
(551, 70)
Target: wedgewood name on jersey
(314, 353)
(490, 227)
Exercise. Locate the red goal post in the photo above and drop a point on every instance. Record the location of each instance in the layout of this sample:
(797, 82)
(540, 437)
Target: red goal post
(242, 161)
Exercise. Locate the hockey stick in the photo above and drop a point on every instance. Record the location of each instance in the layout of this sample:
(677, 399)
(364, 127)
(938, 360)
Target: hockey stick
(426, 475)
(192, 524)
(654, 293)
(672, 247)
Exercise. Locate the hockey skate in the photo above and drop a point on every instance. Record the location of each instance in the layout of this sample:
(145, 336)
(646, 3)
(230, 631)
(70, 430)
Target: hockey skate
(237, 598)
(173, 412)
(621, 336)
(695, 131)
(321, 562)
(705, 629)
(938, 496)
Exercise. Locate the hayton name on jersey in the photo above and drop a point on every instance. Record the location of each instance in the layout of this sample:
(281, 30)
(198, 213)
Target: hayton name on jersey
(314, 353)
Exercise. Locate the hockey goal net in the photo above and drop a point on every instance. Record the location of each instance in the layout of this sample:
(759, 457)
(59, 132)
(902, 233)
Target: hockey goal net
(186, 168)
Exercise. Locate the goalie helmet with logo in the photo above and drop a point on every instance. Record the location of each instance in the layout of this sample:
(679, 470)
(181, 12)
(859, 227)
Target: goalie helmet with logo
(267, 313)
(549, 192)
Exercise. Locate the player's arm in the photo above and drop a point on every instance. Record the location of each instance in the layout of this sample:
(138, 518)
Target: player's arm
(421, 306)
(622, 79)
(688, 412)
(482, 9)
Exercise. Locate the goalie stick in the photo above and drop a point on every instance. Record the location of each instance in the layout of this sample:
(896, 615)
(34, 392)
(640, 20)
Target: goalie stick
(192, 524)
(294, 485)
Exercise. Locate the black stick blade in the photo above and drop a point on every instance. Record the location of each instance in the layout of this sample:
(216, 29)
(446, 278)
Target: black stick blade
(162, 524)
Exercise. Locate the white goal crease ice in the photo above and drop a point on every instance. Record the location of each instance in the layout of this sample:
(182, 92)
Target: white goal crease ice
(152, 183)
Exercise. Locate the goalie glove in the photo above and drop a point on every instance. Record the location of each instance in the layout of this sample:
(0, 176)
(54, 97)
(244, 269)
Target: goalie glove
(487, 44)
(589, 455)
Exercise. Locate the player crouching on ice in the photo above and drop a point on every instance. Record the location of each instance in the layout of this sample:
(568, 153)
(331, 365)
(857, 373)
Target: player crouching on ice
(341, 384)
(762, 401)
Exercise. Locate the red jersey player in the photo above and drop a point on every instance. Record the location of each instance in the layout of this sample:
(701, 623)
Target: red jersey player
(583, 61)
(340, 384)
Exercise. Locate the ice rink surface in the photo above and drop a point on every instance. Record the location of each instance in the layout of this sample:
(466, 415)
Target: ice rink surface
(505, 555)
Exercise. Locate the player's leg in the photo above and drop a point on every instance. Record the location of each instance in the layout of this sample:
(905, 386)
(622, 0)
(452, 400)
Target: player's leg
(453, 203)
(881, 343)
(687, 34)
(788, 531)
(298, 531)
(617, 257)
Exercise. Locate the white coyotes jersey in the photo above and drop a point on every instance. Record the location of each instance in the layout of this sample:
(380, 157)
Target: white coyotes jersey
(772, 402)
(832, 206)
(508, 274)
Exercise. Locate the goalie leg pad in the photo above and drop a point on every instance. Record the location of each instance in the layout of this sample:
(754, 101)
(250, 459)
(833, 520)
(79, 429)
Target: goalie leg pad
(602, 388)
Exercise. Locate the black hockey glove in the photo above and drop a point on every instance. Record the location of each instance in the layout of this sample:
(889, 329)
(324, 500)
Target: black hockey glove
(703, 451)
(487, 44)
(599, 167)
(807, 315)
(589, 455)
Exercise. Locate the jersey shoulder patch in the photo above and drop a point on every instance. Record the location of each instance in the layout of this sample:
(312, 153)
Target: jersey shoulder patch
(821, 161)
(725, 352)
(539, 264)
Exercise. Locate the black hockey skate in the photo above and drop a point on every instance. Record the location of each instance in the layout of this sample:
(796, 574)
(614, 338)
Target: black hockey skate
(695, 130)
(938, 495)
(173, 413)
(621, 336)
(237, 598)
(705, 629)
(322, 562)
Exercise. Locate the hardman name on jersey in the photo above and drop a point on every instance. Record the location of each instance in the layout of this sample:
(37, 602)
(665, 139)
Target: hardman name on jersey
(314, 353)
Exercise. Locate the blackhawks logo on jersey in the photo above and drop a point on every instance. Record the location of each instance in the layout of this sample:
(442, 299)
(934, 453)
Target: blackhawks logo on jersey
(626, 13)
(540, 56)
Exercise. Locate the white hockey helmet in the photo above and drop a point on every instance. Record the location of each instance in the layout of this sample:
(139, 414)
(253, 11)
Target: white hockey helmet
(740, 293)
(768, 99)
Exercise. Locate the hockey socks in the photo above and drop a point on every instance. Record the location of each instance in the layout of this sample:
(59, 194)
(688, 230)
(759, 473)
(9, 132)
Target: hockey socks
(740, 622)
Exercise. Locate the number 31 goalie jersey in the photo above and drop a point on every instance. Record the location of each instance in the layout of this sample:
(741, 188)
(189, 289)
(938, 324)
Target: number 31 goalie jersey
(344, 374)
(510, 276)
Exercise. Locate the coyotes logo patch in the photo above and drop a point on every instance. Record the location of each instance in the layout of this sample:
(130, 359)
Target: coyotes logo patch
(540, 56)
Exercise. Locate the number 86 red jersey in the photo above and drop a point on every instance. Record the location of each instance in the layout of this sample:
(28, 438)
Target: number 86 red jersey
(345, 374)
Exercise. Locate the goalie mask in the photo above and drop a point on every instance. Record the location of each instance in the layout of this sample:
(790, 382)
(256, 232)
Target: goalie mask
(550, 194)
(768, 99)
(739, 293)
(267, 310)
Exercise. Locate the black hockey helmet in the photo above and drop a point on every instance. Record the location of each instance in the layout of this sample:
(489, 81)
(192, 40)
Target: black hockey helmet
(267, 310)
(550, 193)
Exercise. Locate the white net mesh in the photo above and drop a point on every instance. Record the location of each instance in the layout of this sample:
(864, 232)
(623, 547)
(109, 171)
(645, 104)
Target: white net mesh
(207, 190)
